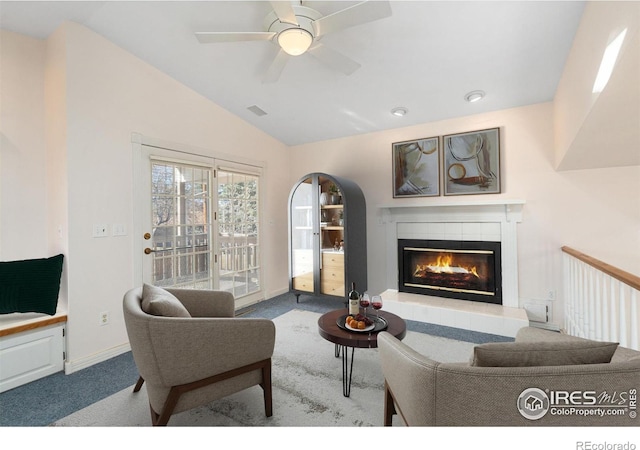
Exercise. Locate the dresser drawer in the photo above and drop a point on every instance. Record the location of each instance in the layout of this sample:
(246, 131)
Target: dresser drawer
(303, 282)
(332, 287)
(333, 260)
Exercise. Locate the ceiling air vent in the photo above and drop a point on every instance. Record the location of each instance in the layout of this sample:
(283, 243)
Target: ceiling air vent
(257, 110)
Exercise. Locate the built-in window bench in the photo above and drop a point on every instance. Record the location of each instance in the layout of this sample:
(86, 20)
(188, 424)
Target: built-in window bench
(32, 346)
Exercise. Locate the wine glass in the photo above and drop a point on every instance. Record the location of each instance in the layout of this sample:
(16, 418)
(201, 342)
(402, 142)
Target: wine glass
(376, 302)
(365, 302)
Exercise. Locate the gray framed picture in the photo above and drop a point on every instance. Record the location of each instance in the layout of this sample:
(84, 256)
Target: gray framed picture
(471, 162)
(416, 168)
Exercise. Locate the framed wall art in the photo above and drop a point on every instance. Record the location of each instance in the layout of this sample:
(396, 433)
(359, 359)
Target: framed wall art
(471, 162)
(416, 168)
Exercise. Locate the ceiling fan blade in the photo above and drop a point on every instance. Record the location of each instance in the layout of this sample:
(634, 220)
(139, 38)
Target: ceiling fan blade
(209, 37)
(360, 13)
(334, 59)
(284, 12)
(276, 67)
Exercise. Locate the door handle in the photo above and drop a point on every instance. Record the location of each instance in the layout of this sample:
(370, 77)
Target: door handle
(147, 251)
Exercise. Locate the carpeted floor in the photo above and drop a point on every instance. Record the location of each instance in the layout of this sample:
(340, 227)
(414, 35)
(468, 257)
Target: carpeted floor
(307, 386)
(52, 398)
(86, 398)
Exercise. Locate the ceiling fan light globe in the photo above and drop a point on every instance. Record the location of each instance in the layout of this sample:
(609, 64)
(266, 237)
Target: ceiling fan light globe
(295, 41)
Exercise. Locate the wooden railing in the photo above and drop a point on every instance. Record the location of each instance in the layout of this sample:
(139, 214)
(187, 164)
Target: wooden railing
(601, 301)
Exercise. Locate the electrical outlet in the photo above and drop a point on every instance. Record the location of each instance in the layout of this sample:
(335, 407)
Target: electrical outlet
(104, 318)
(100, 230)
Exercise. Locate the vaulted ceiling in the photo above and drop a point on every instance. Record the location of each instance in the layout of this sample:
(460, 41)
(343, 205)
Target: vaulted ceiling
(425, 57)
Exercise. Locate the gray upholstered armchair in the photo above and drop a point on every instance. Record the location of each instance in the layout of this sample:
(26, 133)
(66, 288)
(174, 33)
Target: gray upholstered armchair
(194, 351)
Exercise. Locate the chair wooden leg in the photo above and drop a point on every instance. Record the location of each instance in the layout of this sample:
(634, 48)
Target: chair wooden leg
(138, 384)
(169, 405)
(154, 416)
(176, 391)
(389, 406)
(266, 387)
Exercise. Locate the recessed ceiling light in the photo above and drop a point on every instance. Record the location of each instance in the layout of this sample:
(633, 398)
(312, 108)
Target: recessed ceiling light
(474, 96)
(399, 111)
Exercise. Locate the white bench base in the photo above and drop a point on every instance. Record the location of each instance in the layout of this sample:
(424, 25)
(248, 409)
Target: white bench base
(30, 348)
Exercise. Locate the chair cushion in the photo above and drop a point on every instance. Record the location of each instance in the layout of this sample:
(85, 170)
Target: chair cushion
(158, 302)
(523, 354)
(30, 285)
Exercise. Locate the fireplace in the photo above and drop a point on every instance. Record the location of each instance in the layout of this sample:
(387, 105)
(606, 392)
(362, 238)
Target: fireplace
(465, 270)
(459, 218)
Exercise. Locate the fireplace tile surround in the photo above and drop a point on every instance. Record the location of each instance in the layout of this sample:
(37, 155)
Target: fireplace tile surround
(457, 219)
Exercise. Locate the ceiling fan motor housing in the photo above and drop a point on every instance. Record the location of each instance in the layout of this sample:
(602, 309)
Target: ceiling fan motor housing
(304, 15)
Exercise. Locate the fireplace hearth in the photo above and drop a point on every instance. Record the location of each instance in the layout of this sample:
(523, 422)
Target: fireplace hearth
(465, 270)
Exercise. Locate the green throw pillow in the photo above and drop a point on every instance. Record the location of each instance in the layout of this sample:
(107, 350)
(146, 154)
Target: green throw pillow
(31, 285)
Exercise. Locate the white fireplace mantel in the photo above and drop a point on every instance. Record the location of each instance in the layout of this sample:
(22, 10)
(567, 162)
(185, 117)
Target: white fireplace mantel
(459, 219)
(442, 208)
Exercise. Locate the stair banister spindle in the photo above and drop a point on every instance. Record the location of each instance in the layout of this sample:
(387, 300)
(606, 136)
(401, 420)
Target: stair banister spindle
(635, 334)
(591, 311)
(622, 316)
(598, 306)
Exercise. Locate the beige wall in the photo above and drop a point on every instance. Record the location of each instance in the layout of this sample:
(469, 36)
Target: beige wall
(110, 94)
(23, 202)
(600, 129)
(97, 96)
(71, 103)
(55, 127)
(595, 211)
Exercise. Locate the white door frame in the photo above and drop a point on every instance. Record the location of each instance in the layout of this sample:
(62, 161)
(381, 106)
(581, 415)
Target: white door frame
(168, 150)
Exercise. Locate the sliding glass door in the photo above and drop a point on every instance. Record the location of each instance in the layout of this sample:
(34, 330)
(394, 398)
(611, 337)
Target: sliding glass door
(200, 223)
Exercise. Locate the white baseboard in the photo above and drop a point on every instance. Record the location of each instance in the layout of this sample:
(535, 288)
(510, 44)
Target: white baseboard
(83, 363)
(276, 293)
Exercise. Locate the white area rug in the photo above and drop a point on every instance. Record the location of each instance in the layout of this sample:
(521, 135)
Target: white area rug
(307, 386)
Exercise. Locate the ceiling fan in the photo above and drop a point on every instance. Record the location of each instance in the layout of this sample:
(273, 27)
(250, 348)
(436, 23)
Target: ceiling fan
(297, 29)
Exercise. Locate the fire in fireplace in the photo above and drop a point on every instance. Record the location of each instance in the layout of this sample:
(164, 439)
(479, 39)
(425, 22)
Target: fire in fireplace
(466, 270)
